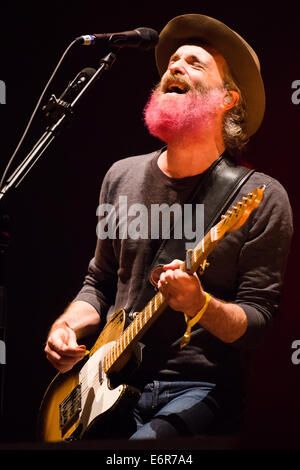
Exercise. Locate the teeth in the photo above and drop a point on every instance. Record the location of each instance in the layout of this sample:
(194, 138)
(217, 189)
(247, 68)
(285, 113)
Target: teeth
(177, 88)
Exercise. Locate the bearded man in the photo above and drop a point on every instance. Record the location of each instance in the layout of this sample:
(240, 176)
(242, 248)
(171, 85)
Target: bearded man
(210, 100)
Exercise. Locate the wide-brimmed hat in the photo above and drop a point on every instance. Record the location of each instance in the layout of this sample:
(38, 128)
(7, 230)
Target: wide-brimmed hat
(242, 60)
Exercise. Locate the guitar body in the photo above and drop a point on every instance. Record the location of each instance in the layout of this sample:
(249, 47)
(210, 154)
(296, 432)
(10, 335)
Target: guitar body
(77, 402)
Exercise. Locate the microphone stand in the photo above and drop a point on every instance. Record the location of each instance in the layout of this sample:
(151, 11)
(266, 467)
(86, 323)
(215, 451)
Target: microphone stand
(61, 111)
(15, 179)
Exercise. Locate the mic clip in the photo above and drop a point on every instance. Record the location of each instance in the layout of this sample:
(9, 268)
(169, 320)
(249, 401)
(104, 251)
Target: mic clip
(56, 109)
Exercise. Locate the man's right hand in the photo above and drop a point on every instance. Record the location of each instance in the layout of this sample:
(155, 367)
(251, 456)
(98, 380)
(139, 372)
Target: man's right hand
(62, 349)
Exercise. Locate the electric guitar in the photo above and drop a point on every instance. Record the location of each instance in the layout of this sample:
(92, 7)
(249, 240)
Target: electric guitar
(76, 401)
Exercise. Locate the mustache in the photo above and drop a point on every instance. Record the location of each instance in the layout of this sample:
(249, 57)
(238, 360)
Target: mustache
(184, 83)
(175, 79)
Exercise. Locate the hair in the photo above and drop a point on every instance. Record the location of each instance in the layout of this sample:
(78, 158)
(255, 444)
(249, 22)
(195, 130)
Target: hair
(234, 121)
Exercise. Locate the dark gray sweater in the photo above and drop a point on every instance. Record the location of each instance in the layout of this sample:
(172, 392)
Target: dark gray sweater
(246, 267)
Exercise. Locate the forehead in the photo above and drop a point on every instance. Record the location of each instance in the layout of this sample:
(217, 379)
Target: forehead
(204, 53)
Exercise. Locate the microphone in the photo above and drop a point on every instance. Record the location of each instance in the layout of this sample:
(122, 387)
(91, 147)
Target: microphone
(143, 38)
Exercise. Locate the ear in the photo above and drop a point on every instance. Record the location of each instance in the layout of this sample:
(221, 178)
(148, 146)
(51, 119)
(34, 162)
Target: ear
(230, 99)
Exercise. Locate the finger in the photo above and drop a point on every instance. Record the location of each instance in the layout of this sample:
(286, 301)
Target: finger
(169, 276)
(64, 349)
(62, 364)
(72, 340)
(162, 287)
(59, 338)
(175, 264)
(61, 368)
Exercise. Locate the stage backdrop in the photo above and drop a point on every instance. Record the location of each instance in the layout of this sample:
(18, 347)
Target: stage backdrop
(53, 212)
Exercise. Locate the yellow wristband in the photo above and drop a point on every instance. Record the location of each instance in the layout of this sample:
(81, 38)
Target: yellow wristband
(192, 321)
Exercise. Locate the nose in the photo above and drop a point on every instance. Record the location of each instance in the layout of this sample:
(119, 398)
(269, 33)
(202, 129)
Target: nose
(177, 67)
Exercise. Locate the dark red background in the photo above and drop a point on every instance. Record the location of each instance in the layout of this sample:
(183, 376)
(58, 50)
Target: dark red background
(53, 213)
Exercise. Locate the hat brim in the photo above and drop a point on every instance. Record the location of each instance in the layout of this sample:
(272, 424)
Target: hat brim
(240, 57)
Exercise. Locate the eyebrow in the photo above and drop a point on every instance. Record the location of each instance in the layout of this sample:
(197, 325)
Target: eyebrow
(189, 56)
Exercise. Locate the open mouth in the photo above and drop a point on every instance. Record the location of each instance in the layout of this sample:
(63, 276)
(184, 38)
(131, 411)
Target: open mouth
(176, 88)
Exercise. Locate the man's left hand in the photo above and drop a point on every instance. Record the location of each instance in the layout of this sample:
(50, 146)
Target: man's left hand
(181, 290)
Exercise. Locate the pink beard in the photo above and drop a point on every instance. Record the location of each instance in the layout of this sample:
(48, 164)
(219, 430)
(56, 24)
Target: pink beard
(171, 117)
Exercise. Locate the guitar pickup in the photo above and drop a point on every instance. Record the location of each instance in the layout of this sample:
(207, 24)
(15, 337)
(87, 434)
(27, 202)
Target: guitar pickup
(70, 407)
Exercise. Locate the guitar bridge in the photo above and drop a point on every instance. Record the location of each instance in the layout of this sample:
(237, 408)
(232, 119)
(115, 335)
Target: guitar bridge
(70, 407)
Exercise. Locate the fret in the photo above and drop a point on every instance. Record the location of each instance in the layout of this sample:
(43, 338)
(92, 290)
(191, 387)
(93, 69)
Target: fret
(121, 345)
(131, 330)
(128, 335)
(150, 308)
(146, 314)
(140, 317)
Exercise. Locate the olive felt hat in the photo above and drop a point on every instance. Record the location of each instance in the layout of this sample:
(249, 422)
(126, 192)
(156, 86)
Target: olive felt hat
(242, 60)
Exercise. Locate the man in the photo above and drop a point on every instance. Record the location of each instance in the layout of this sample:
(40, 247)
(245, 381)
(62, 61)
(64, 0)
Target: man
(209, 101)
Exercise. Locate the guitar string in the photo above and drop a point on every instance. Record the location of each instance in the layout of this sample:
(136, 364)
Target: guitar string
(88, 382)
(142, 316)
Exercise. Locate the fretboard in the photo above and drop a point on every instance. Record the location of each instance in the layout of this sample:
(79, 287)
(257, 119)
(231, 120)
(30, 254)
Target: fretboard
(155, 307)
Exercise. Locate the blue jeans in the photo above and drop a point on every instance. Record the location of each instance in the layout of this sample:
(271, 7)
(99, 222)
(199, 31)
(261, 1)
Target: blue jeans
(170, 409)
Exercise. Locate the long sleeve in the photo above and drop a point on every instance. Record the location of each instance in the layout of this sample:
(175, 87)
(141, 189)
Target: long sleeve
(262, 262)
(100, 283)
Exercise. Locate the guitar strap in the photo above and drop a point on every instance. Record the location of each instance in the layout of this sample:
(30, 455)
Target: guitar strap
(217, 190)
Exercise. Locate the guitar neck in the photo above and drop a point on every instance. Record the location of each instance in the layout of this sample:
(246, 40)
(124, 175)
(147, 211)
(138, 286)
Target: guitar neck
(135, 330)
(200, 253)
(144, 319)
(230, 221)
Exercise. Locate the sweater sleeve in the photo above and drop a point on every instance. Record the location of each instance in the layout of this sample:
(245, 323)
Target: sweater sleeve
(262, 263)
(100, 283)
